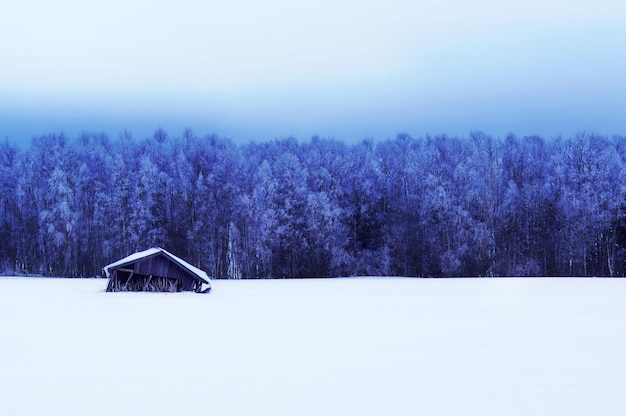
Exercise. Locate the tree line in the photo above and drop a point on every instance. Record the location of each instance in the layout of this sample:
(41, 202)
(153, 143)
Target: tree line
(434, 206)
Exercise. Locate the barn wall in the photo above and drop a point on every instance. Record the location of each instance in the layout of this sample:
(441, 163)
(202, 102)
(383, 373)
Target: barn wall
(162, 266)
(152, 273)
(143, 283)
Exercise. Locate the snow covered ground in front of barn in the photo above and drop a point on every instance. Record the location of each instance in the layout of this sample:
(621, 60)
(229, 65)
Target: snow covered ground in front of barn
(315, 347)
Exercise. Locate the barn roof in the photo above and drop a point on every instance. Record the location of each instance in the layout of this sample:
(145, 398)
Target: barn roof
(154, 251)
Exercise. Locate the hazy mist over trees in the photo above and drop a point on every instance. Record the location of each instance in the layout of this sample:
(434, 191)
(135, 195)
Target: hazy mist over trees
(436, 206)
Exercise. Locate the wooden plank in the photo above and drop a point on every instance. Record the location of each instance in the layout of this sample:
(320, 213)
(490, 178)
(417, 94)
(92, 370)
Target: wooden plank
(125, 270)
(147, 284)
(112, 281)
(129, 277)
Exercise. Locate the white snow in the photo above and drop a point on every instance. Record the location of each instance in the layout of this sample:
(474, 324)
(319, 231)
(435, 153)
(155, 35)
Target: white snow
(315, 347)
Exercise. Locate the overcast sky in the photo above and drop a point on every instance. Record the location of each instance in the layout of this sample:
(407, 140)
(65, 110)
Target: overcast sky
(346, 69)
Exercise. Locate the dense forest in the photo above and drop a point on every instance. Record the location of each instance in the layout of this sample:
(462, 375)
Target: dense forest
(434, 207)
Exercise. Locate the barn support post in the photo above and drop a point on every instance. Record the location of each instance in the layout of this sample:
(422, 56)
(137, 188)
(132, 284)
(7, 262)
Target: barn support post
(128, 281)
(147, 285)
(112, 280)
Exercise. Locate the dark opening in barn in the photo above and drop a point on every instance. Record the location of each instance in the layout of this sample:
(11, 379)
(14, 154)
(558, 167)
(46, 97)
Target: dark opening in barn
(155, 270)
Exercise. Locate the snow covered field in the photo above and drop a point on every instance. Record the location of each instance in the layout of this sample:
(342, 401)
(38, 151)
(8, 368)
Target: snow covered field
(315, 347)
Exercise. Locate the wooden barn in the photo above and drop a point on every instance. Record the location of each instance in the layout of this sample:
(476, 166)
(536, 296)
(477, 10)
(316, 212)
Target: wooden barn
(155, 270)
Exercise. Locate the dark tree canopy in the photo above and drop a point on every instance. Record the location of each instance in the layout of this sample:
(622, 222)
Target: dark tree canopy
(435, 206)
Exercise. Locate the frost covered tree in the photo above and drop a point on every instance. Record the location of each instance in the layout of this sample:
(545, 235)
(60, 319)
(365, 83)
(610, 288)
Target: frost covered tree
(364, 183)
(527, 213)
(589, 183)
(9, 208)
(262, 227)
(433, 206)
(327, 217)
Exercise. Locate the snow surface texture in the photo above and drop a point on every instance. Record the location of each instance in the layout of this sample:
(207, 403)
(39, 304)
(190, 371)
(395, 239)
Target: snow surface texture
(315, 347)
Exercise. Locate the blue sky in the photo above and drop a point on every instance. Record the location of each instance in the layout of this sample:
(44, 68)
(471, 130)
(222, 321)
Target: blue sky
(348, 69)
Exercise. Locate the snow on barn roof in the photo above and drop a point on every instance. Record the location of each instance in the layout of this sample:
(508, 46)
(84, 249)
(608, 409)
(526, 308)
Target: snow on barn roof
(202, 275)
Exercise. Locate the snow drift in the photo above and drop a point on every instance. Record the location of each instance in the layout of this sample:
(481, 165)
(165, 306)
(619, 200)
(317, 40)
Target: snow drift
(313, 347)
